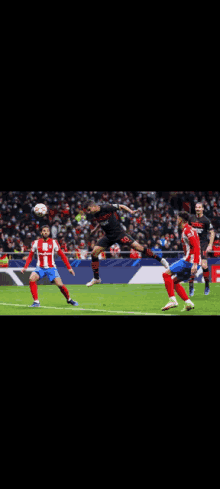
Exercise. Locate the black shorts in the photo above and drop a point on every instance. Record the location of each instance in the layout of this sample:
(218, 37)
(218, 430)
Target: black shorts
(204, 245)
(122, 239)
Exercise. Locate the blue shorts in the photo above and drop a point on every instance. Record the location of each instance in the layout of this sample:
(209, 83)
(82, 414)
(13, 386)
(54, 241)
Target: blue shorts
(51, 273)
(182, 269)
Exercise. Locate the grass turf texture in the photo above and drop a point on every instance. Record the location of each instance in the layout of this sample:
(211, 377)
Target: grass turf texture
(118, 299)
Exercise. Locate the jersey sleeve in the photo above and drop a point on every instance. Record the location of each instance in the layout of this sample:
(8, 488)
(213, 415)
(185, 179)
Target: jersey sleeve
(194, 245)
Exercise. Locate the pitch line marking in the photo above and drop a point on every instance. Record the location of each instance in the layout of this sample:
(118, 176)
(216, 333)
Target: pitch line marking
(94, 310)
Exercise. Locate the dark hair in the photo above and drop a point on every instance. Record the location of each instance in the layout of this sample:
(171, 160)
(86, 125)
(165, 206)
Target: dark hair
(88, 203)
(200, 204)
(184, 215)
(45, 226)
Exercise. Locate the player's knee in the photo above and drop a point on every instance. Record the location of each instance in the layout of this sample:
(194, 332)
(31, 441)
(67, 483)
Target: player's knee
(33, 277)
(58, 282)
(95, 251)
(204, 264)
(165, 274)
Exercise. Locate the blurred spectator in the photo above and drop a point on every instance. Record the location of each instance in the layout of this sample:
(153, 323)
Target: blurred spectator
(135, 254)
(63, 244)
(166, 248)
(115, 250)
(55, 229)
(157, 249)
(4, 261)
(156, 219)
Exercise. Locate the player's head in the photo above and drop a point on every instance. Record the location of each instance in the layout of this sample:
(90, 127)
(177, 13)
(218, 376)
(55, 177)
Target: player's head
(199, 209)
(45, 231)
(183, 218)
(90, 207)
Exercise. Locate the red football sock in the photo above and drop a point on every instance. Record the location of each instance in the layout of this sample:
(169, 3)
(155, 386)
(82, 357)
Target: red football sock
(64, 291)
(181, 291)
(33, 287)
(168, 284)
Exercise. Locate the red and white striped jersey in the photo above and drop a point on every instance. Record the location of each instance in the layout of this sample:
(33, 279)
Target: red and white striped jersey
(45, 253)
(191, 245)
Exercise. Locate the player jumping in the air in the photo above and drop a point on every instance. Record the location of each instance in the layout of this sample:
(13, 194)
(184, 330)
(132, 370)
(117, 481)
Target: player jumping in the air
(106, 217)
(185, 267)
(203, 227)
(45, 248)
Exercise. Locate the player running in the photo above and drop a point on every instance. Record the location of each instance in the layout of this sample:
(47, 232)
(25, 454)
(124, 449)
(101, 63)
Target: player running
(203, 227)
(45, 248)
(185, 267)
(115, 232)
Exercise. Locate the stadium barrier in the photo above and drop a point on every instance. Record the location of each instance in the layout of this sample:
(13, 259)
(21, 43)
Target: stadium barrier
(112, 271)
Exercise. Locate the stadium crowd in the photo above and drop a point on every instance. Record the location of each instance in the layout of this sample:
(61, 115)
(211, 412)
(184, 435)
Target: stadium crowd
(154, 224)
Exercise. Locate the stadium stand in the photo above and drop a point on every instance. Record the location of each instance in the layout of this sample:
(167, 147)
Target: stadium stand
(155, 223)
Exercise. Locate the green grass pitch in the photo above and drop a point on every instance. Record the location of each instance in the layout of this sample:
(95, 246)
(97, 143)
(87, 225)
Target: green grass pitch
(101, 299)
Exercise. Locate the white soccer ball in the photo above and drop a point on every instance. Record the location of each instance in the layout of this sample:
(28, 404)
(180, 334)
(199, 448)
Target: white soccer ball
(40, 210)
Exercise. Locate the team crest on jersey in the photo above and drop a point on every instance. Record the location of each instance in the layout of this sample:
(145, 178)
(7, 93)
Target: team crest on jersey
(50, 246)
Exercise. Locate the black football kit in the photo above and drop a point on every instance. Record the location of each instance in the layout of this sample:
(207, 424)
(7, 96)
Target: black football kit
(202, 225)
(114, 233)
(111, 225)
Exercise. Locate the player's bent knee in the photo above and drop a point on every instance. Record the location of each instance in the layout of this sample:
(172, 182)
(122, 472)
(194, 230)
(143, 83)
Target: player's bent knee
(96, 250)
(137, 246)
(33, 277)
(168, 272)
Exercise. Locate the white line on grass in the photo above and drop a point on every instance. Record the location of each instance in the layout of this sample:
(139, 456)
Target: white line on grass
(76, 308)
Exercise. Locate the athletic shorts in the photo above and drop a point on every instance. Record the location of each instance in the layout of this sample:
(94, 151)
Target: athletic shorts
(182, 269)
(203, 246)
(51, 273)
(122, 238)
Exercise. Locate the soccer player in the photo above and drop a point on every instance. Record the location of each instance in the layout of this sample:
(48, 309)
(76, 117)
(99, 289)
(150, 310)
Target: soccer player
(185, 267)
(114, 233)
(45, 248)
(203, 227)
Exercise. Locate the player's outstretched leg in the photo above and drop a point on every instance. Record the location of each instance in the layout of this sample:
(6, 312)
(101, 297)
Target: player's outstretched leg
(182, 293)
(33, 288)
(64, 291)
(150, 253)
(95, 266)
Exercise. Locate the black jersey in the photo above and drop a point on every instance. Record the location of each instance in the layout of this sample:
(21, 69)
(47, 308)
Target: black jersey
(202, 225)
(108, 219)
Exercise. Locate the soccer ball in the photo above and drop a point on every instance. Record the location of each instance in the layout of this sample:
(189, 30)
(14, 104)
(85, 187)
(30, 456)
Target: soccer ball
(40, 210)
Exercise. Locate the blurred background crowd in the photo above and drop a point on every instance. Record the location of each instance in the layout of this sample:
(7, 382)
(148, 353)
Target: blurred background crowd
(154, 224)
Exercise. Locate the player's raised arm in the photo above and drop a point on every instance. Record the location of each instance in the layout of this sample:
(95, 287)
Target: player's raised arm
(125, 208)
(95, 229)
